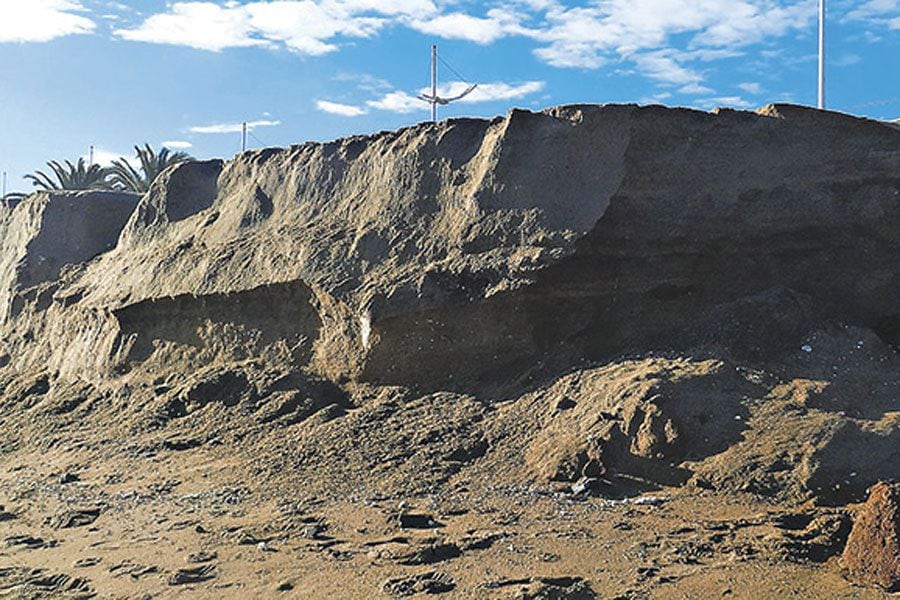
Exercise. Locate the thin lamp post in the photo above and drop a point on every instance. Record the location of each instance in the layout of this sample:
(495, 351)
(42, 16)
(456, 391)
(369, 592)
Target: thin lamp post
(821, 54)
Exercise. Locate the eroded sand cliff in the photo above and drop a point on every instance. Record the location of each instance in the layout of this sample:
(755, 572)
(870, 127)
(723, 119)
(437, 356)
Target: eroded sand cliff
(475, 316)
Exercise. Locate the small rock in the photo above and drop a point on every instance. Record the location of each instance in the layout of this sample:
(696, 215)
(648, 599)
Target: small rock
(872, 554)
(30, 542)
(90, 561)
(194, 575)
(201, 557)
(431, 554)
(75, 518)
(68, 478)
(430, 582)
(417, 521)
(284, 586)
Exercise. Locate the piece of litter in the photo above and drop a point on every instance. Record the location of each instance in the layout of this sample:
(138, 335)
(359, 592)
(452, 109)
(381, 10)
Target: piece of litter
(806, 348)
(264, 547)
(650, 500)
(737, 417)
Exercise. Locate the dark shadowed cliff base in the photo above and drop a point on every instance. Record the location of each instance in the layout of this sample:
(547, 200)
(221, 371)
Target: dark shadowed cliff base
(592, 352)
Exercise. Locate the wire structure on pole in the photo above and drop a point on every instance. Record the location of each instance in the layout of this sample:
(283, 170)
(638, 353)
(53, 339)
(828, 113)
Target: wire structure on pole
(433, 99)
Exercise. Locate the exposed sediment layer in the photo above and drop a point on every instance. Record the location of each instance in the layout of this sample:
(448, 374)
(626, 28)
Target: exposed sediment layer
(476, 245)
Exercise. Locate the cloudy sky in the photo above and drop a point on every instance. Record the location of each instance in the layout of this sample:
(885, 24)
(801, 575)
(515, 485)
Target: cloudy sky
(113, 74)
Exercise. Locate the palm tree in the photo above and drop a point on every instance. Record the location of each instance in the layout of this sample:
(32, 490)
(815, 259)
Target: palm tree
(126, 177)
(78, 176)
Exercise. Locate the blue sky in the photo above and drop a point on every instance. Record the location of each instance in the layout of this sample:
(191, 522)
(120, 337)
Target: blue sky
(113, 74)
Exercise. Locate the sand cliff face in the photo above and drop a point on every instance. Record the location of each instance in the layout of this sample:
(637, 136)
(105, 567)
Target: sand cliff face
(50, 231)
(491, 260)
(473, 247)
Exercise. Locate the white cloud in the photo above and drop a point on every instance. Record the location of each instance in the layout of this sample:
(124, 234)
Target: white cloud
(105, 158)
(725, 101)
(663, 67)
(304, 26)
(177, 145)
(401, 102)
(336, 108)
(847, 60)
(365, 82)
(750, 87)
(655, 99)
(490, 92)
(41, 20)
(461, 26)
(232, 127)
(201, 25)
(695, 89)
(498, 23)
(663, 39)
(875, 9)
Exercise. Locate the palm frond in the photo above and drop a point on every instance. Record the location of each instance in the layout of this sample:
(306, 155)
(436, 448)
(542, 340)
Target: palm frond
(125, 176)
(70, 176)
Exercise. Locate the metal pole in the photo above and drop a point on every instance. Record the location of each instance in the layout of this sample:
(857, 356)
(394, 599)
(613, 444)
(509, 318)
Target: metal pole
(243, 136)
(821, 54)
(434, 83)
(3, 195)
(91, 156)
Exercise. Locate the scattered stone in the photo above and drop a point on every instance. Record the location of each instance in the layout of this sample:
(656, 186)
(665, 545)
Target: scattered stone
(431, 582)
(284, 586)
(431, 554)
(314, 531)
(75, 518)
(557, 588)
(417, 521)
(30, 542)
(546, 588)
(177, 445)
(201, 557)
(84, 563)
(482, 541)
(69, 477)
(193, 575)
(132, 569)
(26, 582)
(872, 555)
